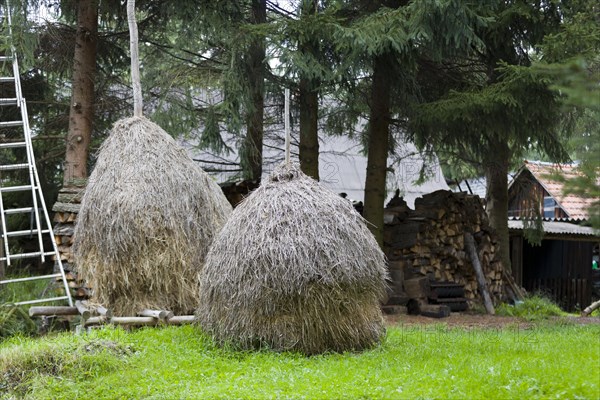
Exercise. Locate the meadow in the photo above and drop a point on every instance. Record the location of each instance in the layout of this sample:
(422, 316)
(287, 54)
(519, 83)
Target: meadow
(546, 359)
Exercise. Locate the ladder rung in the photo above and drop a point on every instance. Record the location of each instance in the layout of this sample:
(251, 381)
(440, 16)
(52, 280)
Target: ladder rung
(25, 232)
(10, 124)
(23, 210)
(21, 303)
(12, 167)
(12, 145)
(16, 188)
(27, 255)
(5, 58)
(4, 79)
(30, 278)
(8, 102)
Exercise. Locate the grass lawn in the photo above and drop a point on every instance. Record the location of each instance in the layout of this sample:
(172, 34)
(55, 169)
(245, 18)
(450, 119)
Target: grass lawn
(430, 361)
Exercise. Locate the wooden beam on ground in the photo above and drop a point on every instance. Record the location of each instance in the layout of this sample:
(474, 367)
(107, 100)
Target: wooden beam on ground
(181, 320)
(39, 311)
(104, 312)
(472, 251)
(590, 309)
(140, 321)
(83, 309)
(93, 321)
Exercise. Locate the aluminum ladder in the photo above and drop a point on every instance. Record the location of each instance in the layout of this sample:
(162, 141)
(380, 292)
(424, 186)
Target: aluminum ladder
(20, 138)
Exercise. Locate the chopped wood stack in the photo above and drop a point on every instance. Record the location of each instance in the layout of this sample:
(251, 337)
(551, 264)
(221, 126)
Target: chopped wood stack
(429, 242)
(65, 210)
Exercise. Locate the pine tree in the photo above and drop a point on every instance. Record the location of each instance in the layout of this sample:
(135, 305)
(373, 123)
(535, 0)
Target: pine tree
(387, 39)
(497, 105)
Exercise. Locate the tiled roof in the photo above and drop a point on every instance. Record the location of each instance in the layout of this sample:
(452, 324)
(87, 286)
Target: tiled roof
(576, 207)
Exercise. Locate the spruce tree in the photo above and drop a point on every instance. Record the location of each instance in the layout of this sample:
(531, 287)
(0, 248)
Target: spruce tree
(497, 105)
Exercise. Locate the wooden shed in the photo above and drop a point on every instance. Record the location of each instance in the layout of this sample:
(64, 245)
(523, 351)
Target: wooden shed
(561, 266)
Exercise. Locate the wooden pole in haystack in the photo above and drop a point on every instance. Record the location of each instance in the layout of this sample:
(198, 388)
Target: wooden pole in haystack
(135, 60)
(288, 136)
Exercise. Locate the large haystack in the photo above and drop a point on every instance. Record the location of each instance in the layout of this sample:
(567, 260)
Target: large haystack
(294, 268)
(147, 219)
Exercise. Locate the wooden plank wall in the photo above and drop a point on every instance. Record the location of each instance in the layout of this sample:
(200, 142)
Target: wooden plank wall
(560, 269)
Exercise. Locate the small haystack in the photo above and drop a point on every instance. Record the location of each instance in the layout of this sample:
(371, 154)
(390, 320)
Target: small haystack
(294, 268)
(147, 219)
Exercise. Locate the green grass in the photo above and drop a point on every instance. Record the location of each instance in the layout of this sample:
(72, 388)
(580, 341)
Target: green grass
(19, 291)
(534, 307)
(15, 320)
(545, 361)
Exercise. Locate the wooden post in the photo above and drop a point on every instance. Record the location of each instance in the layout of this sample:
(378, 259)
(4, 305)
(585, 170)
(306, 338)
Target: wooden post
(135, 60)
(472, 251)
(286, 119)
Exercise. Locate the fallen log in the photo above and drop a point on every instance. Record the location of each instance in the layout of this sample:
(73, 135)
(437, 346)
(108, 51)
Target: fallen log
(39, 311)
(590, 309)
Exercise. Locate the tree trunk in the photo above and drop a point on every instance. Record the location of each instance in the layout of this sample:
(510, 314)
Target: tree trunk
(253, 143)
(309, 133)
(309, 108)
(81, 113)
(378, 146)
(496, 173)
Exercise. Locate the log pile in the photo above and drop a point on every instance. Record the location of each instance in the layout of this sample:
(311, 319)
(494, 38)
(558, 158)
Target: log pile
(65, 211)
(430, 242)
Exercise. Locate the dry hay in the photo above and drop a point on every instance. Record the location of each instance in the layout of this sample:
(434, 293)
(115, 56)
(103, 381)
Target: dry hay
(294, 268)
(147, 219)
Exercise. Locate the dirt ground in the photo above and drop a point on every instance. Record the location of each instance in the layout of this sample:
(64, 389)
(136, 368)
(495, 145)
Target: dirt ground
(467, 320)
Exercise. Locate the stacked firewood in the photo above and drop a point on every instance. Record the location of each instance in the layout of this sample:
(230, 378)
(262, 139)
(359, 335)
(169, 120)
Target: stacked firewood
(65, 211)
(429, 242)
